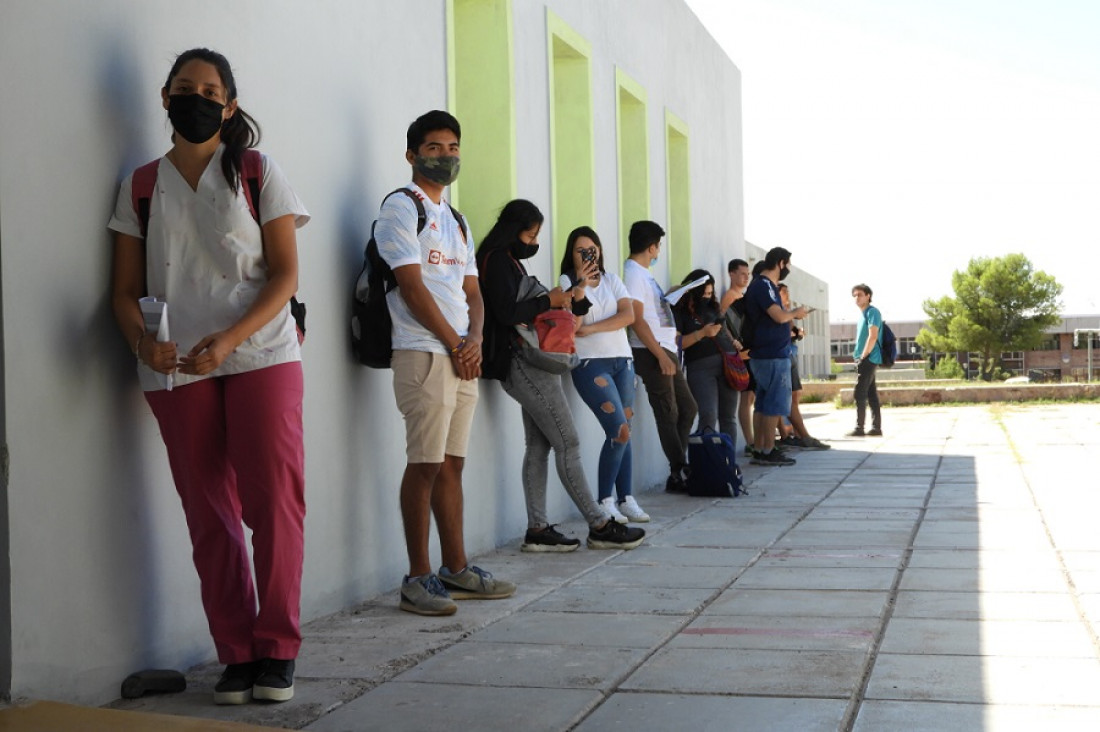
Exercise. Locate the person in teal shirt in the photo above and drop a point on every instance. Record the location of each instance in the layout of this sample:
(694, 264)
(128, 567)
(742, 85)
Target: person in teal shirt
(868, 357)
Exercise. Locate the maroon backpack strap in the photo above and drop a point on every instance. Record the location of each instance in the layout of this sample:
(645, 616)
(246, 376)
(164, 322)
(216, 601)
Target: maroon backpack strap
(252, 178)
(142, 184)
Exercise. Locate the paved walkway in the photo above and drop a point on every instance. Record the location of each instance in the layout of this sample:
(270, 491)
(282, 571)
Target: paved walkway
(945, 577)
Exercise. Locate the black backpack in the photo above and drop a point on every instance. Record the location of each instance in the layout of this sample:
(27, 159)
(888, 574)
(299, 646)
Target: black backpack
(889, 347)
(371, 325)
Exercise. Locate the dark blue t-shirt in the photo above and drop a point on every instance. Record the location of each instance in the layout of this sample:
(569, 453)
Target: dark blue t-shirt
(769, 339)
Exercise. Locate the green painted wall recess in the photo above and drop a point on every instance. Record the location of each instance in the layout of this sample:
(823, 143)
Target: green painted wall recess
(678, 241)
(481, 89)
(632, 142)
(572, 157)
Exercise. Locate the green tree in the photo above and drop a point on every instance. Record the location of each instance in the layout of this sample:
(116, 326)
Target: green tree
(1000, 304)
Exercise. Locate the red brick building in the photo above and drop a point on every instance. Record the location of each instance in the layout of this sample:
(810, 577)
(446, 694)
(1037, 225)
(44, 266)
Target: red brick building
(1056, 358)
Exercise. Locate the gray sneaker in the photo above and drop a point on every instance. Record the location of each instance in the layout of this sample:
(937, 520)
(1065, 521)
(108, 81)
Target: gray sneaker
(474, 583)
(426, 596)
(812, 443)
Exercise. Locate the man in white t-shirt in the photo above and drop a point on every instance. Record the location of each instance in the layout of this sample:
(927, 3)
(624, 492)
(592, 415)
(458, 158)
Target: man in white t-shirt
(437, 317)
(653, 341)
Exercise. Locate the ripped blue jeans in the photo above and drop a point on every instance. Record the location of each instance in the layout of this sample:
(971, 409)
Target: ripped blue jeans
(607, 386)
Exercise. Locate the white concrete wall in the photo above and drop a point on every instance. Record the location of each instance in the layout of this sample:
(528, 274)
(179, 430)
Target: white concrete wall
(101, 577)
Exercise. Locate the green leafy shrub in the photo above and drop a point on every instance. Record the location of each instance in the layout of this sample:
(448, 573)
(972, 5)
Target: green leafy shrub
(946, 368)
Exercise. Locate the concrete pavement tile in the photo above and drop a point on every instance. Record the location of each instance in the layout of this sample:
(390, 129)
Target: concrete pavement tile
(855, 514)
(940, 636)
(830, 558)
(1003, 525)
(1090, 603)
(578, 598)
(816, 578)
(851, 538)
(1086, 582)
(367, 660)
(778, 519)
(527, 664)
(908, 464)
(817, 522)
(783, 633)
(635, 575)
(980, 540)
(986, 579)
(978, 513)
(875, 716)
(410, 707)
(697, 556)
(380, 619)
(787, 603)
(834, 674)
(582, 629)
(859, 499)
(986, 606)
(974, 559)
(986, 679)
(640, 712)
(311, 696)
(743, 536)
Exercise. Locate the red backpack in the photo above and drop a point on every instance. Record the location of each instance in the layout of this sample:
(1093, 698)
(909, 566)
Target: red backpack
(252, 176)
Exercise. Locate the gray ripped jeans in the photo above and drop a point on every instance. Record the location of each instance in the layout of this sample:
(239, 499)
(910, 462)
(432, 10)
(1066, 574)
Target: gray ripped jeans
(548, 423)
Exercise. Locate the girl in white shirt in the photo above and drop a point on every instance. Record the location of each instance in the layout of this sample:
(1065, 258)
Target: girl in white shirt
(232, 424)
(605, 376)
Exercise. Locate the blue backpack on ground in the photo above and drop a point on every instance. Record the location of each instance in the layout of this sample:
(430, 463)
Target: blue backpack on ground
(712, 459)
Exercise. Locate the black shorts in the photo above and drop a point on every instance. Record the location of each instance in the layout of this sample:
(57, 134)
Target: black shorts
(796, 380)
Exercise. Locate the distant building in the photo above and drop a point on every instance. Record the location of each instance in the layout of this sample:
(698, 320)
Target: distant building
(1055, 358)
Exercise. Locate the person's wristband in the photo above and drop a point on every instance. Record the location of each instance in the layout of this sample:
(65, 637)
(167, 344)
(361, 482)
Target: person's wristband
(461, 343)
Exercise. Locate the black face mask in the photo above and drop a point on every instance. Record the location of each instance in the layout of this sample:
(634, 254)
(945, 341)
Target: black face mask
(522, 250)
(783, 272)
(195, 117)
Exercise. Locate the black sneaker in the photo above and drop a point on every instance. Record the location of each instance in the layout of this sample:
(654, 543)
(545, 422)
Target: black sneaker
(275, 682)
(857, 432)
(772, 458)
(675, 484)
(235, 684)
(874, 432)
(548, 540)
(614, 535)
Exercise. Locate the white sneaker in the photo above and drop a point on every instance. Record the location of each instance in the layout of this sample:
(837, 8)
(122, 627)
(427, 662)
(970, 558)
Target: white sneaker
(633, 511)
(612, 511)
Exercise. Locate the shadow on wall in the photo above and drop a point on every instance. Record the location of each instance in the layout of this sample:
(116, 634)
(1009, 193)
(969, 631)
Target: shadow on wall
(372, 511)
(135, 555)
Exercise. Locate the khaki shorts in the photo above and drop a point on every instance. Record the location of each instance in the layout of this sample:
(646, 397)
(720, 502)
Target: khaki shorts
(437, 405)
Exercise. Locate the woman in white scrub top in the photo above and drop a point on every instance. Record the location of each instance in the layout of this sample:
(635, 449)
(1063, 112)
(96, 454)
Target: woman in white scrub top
(226, 387)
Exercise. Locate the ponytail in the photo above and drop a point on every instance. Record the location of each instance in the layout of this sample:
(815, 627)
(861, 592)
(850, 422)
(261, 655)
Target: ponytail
(239, 133)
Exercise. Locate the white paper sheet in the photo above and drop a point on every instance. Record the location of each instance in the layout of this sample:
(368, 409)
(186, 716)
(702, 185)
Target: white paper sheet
(155, 314)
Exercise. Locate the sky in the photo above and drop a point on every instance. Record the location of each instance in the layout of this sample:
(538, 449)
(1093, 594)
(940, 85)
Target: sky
(891, 141)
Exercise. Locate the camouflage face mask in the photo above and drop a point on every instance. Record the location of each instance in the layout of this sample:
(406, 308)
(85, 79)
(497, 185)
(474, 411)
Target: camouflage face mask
(442, 170)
